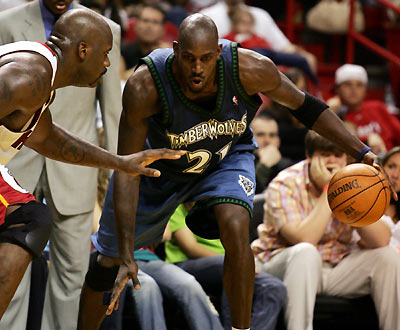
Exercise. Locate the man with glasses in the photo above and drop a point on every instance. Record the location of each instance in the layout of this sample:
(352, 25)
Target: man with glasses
(149, 28)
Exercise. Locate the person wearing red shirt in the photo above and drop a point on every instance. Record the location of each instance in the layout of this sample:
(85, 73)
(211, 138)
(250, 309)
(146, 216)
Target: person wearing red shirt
(371, 119)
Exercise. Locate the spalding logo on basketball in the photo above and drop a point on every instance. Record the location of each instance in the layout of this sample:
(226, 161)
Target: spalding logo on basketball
(358, 194)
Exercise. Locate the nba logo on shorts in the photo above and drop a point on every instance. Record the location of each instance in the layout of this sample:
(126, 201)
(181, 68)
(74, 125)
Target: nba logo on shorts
(246, 184)
(235, 100)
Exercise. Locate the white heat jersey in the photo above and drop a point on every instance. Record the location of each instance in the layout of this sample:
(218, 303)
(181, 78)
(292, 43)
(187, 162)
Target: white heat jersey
(10, 141)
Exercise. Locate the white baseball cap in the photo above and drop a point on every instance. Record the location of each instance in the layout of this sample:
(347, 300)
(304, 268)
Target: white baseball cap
(350, 72)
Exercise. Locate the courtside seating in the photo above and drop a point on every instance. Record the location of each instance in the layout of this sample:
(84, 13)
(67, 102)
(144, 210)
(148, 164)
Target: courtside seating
(330, 313)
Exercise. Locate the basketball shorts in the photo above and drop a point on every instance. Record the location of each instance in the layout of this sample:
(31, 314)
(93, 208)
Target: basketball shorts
(11, 193)
(231, 181)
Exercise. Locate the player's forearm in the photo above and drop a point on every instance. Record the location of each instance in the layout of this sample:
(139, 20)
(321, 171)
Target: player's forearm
(330, 126)
(65, 147)
(126, 192)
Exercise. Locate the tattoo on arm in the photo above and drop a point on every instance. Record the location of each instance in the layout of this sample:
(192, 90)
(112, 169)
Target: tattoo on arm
(5, 91)
(70, 151)
(36, 81)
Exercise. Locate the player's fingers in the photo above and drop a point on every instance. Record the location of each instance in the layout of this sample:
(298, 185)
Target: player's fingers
(116, 304)
(119, 286)
(148, 171)
(110, 308)
(382, 170)
(136, 283)
(156, 154)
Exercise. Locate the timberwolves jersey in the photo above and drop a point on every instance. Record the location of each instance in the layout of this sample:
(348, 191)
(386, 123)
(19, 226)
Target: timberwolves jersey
(208, 134)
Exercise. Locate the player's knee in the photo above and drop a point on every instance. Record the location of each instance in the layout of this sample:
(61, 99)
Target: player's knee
(236, 231)
(29, 227)
(102, 273)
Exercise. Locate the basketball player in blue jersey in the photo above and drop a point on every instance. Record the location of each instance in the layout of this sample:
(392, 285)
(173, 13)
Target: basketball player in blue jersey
(199, 96)
(77, 55)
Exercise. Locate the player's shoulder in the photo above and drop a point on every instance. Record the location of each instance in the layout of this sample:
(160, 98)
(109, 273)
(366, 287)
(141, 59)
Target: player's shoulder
(28, 76)
(141, 85)
(250, 57)
(256, 70)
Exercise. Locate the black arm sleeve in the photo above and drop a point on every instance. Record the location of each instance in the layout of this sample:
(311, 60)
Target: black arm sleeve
(310, 110)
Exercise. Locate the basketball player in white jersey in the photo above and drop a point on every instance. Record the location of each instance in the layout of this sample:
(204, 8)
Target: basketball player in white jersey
(76, 54)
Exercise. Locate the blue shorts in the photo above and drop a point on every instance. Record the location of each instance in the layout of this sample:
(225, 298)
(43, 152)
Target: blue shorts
(231, 181)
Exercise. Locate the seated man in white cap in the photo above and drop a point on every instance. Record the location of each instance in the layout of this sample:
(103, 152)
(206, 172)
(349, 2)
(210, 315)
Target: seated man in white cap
(370, 119)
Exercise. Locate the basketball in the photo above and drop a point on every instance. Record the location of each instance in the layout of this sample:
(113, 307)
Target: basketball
(358, 194)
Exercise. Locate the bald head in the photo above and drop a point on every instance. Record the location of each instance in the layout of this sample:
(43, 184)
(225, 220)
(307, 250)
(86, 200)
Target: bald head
(197, 28)
(82, 39)
(78, 25)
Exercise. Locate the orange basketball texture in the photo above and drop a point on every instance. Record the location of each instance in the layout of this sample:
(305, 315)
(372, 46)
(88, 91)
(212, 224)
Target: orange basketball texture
(358, 194)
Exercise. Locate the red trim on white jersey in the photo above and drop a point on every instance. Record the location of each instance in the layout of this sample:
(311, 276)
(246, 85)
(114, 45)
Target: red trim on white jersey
(11, 192)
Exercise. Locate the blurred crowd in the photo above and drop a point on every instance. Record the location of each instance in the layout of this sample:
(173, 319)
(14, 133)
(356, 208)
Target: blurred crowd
(301, 251)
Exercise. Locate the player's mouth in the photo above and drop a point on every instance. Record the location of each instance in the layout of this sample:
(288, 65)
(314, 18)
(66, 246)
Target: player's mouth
(197, 82)
(99, 79)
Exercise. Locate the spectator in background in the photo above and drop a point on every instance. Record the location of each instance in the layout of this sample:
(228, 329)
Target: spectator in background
(159, 280)
(94, 5)
(204, 259)
(242, 31)
(264, 27)
(312, 252)
(391, 164)
(62, 184)
(170, 29)
(291, 131)
(373, 123)
(149, 31)
(176, 12)
(195, 6)
(114, 10)
(163, 279)
(269, 161)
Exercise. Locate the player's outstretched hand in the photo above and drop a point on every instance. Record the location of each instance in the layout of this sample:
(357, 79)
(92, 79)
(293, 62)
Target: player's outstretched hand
(371, 159)
(135, 164)
(125, 273)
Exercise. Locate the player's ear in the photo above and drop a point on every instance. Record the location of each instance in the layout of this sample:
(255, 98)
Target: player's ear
(175, 46)
(82, 50)
(219, 50)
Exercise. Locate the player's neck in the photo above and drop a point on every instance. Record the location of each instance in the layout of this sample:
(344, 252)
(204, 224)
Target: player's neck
(58, 80)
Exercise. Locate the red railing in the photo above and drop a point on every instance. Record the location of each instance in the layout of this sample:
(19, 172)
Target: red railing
(353, 36)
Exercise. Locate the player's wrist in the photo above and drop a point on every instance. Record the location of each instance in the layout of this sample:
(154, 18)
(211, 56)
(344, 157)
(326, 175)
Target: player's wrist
(362, 154)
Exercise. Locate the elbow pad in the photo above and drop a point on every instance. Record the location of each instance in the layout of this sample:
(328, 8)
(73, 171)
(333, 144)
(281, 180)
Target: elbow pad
(310, 110)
